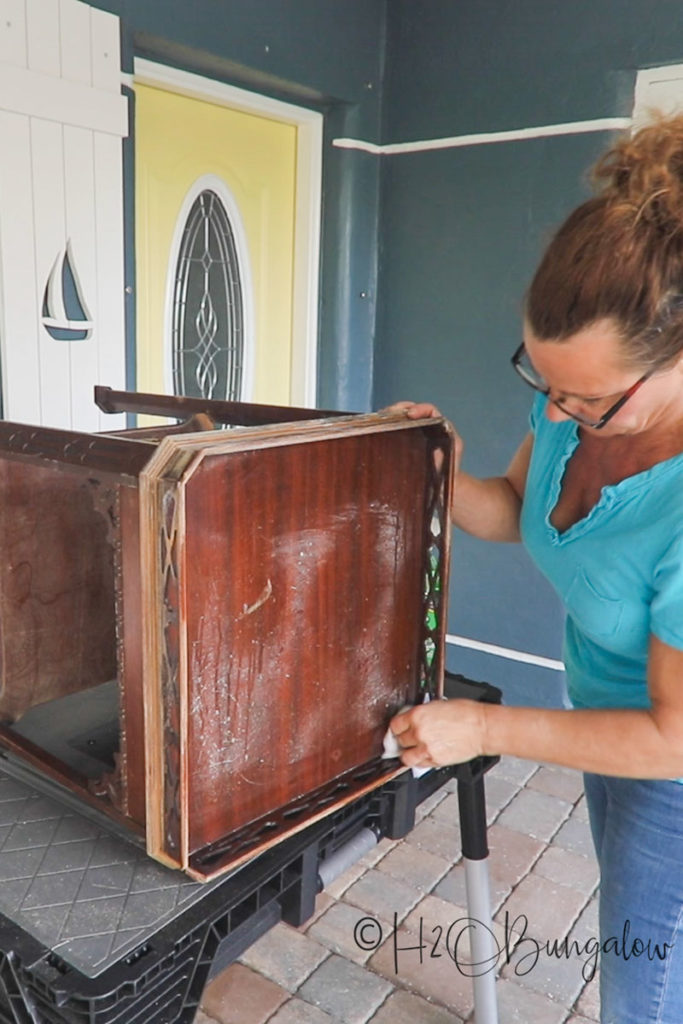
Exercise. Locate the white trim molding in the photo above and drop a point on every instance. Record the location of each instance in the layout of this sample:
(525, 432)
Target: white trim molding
(309, 124)
(657, 91)
(601, 124)
(505, 652)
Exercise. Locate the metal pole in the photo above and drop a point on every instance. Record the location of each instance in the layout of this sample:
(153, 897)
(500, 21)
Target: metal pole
(484, 951)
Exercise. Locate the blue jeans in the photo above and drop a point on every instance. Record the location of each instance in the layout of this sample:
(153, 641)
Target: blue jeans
(637, 828)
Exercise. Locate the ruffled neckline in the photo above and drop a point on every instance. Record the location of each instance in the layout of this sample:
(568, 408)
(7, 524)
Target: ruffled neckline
(610, 495)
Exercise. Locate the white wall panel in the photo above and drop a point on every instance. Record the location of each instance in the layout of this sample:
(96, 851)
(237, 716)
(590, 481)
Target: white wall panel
(79, 187)
(110, 321)
(74, 38)
(106, 50)
(19, 327)
(13, 33)
(42, 34)
(47, 172)
(62, 117)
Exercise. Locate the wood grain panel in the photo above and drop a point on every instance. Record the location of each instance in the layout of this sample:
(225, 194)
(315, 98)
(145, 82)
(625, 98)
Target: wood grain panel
(56, 587)
(303, 602)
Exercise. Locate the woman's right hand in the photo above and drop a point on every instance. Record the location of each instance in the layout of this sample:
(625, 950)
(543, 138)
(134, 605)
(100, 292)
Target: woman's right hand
(415, 410)
(425, 410)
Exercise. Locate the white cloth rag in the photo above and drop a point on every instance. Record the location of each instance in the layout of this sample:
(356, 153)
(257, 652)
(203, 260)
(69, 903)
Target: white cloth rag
(392, 748)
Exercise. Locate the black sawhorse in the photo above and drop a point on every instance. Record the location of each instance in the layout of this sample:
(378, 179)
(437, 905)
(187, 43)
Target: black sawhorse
(161, 981)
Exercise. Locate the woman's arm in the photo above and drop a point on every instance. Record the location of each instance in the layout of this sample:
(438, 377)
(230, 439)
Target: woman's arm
(629, 743)
(488, 509)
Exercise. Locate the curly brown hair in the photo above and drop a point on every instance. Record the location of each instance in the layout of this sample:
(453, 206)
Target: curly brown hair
(620, 254)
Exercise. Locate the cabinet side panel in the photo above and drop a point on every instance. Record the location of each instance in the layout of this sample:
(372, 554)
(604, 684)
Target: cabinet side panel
(56, 585)
(305, 597)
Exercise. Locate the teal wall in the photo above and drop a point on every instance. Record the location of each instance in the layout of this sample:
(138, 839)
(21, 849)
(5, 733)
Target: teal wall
(461, 231)
(426, 256)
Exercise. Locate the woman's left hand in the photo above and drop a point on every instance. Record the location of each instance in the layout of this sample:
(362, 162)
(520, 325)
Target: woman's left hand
(441, 732)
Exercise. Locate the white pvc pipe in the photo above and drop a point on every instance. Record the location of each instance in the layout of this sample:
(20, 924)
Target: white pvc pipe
(483, 947)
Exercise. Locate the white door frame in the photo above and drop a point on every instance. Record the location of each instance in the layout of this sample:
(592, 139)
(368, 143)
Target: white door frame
(308, 201)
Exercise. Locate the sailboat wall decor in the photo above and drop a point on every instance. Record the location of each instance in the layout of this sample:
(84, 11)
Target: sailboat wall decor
(65, 315)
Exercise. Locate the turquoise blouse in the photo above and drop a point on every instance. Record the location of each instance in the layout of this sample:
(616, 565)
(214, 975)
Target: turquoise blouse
(619, 571)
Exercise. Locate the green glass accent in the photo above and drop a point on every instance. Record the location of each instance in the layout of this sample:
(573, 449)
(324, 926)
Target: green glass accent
(431, 620)
(430, 651)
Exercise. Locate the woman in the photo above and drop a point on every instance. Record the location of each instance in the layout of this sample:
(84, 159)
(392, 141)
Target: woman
(595, 491)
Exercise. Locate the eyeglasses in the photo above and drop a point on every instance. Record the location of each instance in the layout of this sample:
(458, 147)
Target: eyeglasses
(524, 367)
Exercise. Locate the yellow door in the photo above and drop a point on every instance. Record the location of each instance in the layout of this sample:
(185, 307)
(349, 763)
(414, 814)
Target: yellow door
(181, 145)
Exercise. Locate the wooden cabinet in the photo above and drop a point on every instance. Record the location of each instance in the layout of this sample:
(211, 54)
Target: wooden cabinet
(259, 601)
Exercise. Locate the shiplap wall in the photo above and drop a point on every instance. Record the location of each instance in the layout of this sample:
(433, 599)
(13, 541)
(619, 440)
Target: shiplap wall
(62, 120)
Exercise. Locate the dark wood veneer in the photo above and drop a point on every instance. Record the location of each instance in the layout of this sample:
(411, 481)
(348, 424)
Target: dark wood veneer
(266, 596)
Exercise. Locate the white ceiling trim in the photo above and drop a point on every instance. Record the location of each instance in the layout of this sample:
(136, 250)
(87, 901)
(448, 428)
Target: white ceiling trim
(601, 124)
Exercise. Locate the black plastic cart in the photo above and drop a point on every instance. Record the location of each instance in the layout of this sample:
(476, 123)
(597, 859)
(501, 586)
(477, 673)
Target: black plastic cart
(94, 932)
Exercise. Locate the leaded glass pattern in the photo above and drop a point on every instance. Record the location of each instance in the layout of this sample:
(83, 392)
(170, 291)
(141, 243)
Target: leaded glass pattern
(433, 575)
(208, 305)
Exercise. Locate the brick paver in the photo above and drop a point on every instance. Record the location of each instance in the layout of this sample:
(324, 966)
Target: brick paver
(338, 887)
(378, 852)
(406, 959)
(345, 929)
(446, 929)
(380, 894)
(439, 837)
(575, 834)
(560, 782)
(581, 809)
(515, 769)
(511, 857)
(499, 793)
(588, 1004)
(241, 996)
(296, 1011)
(517, 1005)
(553, 970)
(549, 909)
(285, 956)
(430, 804)
(350, 964)
(345, 991)
(568, 868)
(406, 1008)
(535, 814)
(415, 867)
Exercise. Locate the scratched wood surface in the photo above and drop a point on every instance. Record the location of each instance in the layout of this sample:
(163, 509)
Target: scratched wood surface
(264, 595)
(303, 598)
(284, 570)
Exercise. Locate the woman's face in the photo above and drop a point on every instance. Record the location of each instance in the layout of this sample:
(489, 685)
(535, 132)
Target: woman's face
(588, 374)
